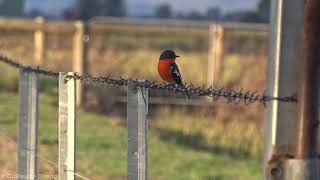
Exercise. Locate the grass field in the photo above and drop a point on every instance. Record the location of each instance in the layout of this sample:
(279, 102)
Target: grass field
(208, 150)
(198, 144)
(218, 143)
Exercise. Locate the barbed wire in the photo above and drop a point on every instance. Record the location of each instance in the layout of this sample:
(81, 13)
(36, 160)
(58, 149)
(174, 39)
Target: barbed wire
(231, 95)
(54, 164)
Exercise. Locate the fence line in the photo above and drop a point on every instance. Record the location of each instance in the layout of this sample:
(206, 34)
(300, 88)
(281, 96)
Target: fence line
(99, 25)
(174, 23)
(108, 23)
(137, 115)
(230, 95)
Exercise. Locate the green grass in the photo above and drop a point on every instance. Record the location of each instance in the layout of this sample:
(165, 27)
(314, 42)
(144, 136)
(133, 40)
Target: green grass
(175, 152)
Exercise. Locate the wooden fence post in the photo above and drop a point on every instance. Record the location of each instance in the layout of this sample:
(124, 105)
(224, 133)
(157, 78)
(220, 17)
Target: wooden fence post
(137, 110)
(39, 42)
(67, 127)
(28, 125)
(215, 53)
(80, 55)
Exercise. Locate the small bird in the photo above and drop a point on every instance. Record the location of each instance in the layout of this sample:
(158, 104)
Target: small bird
(169, 70)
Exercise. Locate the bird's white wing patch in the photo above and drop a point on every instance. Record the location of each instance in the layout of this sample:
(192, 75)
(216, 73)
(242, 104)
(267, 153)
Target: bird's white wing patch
(175, 72)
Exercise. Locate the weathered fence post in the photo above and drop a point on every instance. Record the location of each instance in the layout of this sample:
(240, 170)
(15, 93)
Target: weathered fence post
(28, 125)
(306, 165)
(39, 41)
(67, 127)
(80, 55)
(215, 53)
(137, 110)
(280, 160)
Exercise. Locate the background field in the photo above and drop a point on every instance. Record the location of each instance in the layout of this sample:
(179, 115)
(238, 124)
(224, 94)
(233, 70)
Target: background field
(220, 142)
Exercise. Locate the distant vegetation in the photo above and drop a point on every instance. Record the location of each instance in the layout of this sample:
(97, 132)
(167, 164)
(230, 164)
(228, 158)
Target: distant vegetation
(85, 10)
(220, 142)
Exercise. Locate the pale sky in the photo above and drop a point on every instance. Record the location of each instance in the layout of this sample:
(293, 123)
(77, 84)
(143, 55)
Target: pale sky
(56, 6)
(201, 5)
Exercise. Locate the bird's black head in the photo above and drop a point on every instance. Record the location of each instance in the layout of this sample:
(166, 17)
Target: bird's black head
(168, 54)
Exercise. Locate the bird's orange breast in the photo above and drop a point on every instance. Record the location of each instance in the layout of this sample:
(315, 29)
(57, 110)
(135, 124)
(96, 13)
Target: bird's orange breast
(164, 70)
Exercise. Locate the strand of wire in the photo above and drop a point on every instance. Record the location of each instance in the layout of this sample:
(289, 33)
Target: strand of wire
(78, 175)
(4, 134)
(230, 95)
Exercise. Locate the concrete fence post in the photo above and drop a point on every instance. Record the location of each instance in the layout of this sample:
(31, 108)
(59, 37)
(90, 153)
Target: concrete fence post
(67, 127)
(137, 111)
(28, 125)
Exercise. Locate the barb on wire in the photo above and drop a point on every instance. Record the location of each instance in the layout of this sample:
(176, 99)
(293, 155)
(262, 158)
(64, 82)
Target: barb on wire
(231, 95)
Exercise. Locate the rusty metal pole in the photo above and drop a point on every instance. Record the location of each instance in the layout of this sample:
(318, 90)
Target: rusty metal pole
(290, 140)
(306, 165)
(308, 85)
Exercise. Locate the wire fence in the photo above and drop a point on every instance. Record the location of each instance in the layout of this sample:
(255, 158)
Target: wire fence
(45, 159)
(230, 95)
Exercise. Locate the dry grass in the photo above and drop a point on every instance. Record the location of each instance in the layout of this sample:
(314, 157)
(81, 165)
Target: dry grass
(232, 132)
(223, 132)
(137, 55)
(8, 162)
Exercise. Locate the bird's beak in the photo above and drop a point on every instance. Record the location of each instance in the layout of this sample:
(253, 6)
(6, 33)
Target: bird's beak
(177, 56)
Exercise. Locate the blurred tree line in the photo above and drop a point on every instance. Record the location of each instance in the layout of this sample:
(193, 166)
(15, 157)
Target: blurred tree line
(86, 9)
(261, 14)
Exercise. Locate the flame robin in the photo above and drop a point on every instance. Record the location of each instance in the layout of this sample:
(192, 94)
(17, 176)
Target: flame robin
(168, 69)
